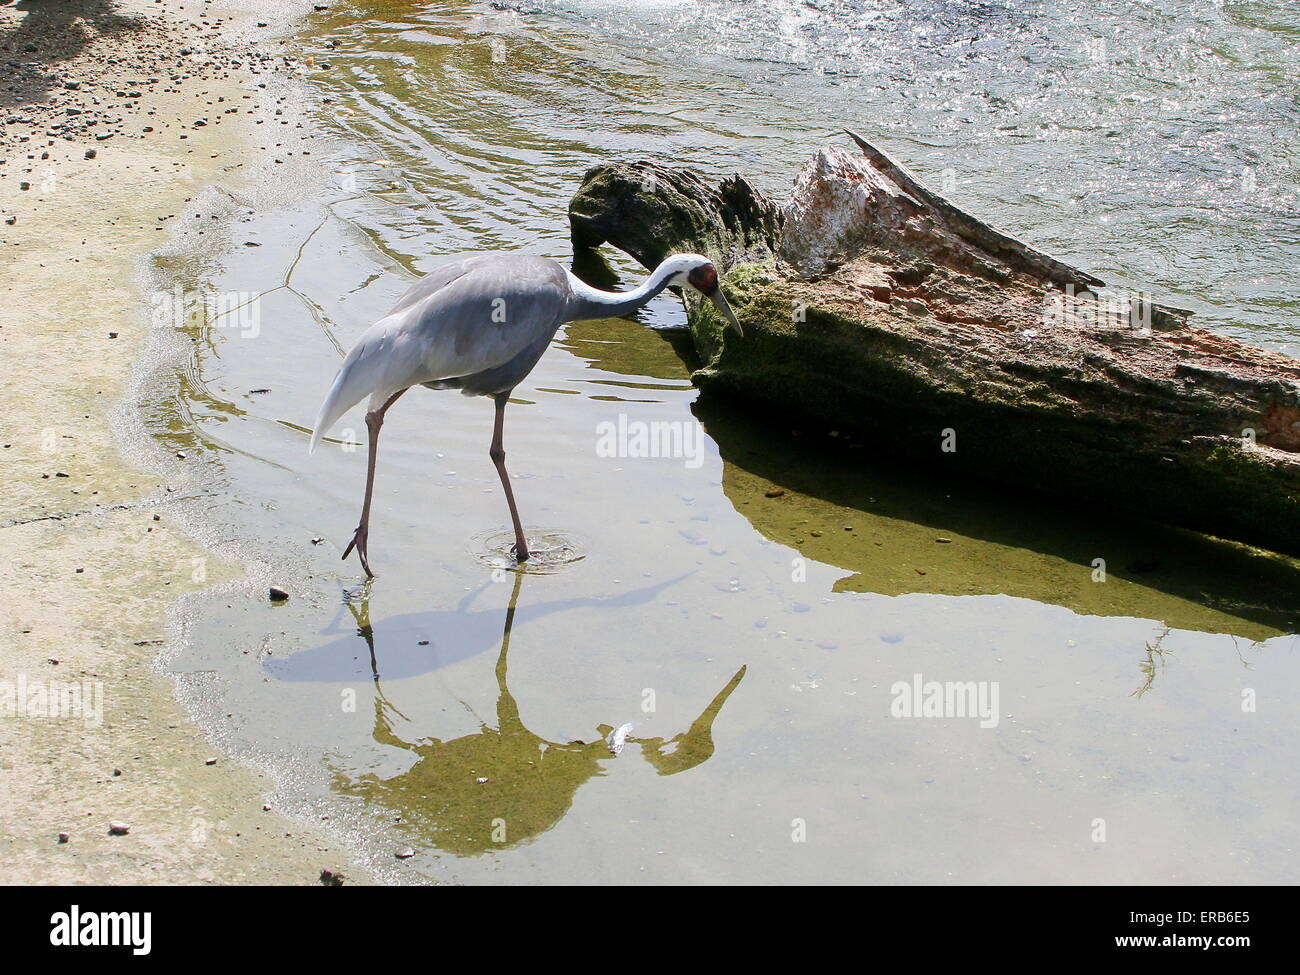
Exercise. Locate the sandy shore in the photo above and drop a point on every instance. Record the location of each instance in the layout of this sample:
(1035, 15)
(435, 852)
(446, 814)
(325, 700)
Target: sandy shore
(116, 114)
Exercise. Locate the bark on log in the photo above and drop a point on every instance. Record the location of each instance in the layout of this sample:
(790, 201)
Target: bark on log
(872, 305)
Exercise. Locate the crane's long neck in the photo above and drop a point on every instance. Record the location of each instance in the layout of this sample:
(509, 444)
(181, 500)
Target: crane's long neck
(586, 302)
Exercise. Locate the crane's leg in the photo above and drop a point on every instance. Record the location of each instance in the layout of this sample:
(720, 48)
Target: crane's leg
(374, 421)
(498, 455)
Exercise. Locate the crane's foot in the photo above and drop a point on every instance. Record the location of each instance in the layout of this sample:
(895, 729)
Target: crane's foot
(520, 551)
(359, 539)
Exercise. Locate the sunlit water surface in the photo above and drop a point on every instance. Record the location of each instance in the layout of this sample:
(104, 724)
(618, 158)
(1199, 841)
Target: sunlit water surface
(747, 608)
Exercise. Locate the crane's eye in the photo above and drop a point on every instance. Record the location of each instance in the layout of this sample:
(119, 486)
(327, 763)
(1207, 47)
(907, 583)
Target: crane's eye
(704, 279)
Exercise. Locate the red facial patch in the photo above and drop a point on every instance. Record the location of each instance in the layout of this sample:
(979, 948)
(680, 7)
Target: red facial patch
(704, 279)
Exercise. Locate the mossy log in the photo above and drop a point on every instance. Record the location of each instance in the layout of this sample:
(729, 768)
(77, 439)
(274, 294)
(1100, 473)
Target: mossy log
(876, 308)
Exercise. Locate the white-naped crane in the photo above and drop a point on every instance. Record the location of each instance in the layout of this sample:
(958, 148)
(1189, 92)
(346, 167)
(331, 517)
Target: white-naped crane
(479, 324)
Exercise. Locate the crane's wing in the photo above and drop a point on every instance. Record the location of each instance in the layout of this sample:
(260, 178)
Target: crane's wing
(466, 317)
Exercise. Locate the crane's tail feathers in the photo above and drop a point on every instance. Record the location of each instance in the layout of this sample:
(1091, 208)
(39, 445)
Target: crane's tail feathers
(353, 384)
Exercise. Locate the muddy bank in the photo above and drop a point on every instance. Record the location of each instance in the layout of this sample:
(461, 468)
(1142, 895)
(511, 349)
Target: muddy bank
(117, 115)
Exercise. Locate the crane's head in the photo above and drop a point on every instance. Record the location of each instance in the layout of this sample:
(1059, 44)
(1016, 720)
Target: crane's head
(699, 274)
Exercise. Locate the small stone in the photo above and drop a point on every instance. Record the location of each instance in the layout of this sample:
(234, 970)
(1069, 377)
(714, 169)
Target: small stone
(64, 837)
(210, 761)
(279, 595)
(266, 807)
(180, 454)
(481, 780)
(774, 493)
(119, 829)
(91, 153)
(112, 335)
(943, 541)
(332, 878)
(405, 854)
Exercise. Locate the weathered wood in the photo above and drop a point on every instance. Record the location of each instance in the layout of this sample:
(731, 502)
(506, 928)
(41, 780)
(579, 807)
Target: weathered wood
(872, 305)
(650, 211)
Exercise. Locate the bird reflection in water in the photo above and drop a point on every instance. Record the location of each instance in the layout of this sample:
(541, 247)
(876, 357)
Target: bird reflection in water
(503, 786)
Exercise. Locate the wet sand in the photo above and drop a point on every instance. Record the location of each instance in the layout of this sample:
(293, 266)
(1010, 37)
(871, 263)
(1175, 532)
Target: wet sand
(116, 116)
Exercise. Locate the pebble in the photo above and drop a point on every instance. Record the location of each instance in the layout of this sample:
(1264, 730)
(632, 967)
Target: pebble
(405, 854)
(332, 878)
(64, 837)
(210, 761)
(119, 829)
(278, 595)
(775, 493)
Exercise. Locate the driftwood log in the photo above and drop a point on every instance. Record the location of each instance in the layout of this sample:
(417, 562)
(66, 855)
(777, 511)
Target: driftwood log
(874, 307)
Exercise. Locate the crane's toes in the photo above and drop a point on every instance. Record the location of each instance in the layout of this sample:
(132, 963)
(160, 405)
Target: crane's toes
(359, 538)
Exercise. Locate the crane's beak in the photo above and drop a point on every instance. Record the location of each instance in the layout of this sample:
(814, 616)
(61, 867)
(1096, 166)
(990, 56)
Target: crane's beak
(721, 304)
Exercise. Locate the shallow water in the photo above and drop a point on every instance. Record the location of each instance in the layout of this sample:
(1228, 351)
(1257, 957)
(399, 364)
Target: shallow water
(747, 607)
